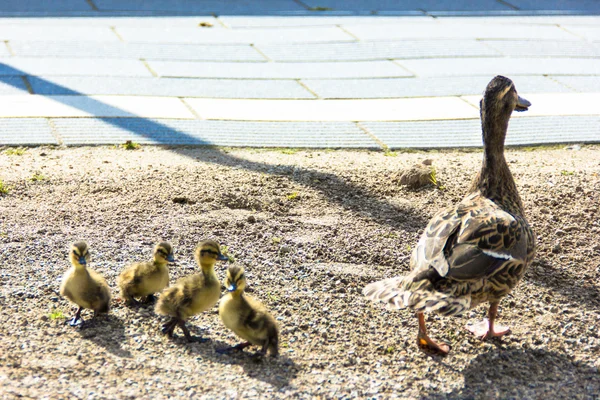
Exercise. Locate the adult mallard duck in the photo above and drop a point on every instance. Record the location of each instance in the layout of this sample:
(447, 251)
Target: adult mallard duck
(478, 250)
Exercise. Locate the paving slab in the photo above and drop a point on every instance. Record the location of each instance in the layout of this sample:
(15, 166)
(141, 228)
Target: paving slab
(219, 133)
(175, 87)
(405, 5)
(72, 66)
(559, 5)
(334, 110)
(376, 50)
(206, 6)
(23, 106)
(580, 83)
(503, 66)
(423, 87)
(150, 51)
(554, 104)
(555, 19)
(467, 133)
(450, 30)
(285, 21)
(587, 32)
(25, 131)
(239, 36)
(540, 48)
(36, 32)
(43, 6)
(12, 85)
(338, 70)
(100, 20)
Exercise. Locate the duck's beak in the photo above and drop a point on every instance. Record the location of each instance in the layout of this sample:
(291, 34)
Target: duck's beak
(231, 288)
(170, 258)
(82, 260)
(221, 257)
(522, 104)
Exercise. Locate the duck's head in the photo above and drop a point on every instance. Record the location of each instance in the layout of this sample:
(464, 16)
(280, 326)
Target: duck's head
(79, 254)
(208, 252)
(501, 98)
(163, 253)
(235, 280)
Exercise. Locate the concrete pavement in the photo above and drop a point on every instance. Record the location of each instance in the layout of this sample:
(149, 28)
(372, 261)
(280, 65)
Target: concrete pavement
(284, 73)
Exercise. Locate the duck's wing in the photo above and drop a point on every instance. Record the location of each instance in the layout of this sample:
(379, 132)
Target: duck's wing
(475, 242)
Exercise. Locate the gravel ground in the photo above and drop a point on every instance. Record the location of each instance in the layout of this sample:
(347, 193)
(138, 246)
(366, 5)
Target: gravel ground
(311, 228)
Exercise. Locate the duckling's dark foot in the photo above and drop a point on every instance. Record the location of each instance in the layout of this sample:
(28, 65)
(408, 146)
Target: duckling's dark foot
(188, 336)
(76, 322)
(150, 299)
(237, 347)
(167, 328)
(132, 302)
(483, 329)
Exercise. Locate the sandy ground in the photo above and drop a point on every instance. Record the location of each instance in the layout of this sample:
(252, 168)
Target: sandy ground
(312, 229)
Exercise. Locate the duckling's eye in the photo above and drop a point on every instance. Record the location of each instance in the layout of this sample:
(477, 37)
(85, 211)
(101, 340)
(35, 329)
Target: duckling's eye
(75, 252)
(241, 277)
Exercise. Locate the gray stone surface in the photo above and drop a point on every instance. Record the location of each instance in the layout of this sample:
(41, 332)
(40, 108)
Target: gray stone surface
(560, 5)
(25, 131)
(467, 133)
(231, 36)
(206, 6)
(103, 20)
(580, 83)
(43, 6)
(504, 66)
(179, 87)
(262, 21)
(12, 85)
(407, 5)
(164, 51)
(458, 31)
(376, 50)
(72, 66)
(542, 48)
(279, 70)
(219, 133)
(423, 87)
(37, 32)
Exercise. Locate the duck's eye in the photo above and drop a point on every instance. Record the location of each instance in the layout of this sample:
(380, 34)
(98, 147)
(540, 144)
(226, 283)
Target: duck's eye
(75, 252)
(240, 277)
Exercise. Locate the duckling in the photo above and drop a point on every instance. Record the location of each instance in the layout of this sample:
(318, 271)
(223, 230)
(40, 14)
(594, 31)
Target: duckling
(478, 250)
(192, 294)
(84, 286)
(146, 278)
(247, 317)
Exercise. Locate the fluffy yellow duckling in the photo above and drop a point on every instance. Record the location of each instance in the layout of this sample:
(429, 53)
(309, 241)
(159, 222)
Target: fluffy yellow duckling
(192, 294)
(146, 278)
(247, 317)
(84, 286)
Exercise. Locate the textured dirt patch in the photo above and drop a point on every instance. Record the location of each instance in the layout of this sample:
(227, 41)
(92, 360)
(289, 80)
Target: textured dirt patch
(311, 228)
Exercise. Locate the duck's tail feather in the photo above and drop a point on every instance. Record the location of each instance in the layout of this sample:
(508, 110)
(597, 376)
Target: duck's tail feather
(420, 296)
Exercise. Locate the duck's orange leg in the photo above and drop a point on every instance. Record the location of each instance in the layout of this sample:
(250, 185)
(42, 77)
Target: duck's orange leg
(486, 328)
(425, 341)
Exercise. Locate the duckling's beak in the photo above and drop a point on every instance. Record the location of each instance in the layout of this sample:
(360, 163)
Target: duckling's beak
(170, 258)
(82, 260)
(221, 257)
(231, 288)
(522, 104)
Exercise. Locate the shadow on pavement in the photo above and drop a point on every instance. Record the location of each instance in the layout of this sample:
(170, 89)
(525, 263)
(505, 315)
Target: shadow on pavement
(108, 332)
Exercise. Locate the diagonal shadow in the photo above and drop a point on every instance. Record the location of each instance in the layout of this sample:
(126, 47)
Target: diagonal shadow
(334, 188)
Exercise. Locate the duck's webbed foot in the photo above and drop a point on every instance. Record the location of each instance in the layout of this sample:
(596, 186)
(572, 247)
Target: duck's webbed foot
(237, 347)
(487, 328)
(77, 320)
(424, 341)
(167, 328)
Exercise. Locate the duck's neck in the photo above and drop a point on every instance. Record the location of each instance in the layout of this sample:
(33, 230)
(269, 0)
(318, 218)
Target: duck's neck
(495, 180)
(208, 270)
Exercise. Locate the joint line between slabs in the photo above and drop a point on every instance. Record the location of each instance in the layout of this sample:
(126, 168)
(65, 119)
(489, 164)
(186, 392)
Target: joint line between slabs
(301, 3)
(10, 50)
(114, 30)
(27, 84)
(223, 24)
(54, 131)
(91, 4)
(148, 67)
(308, 89)
(368, 132)
(347, 32)
(190, 109)
(506, 3)
(259, 51)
